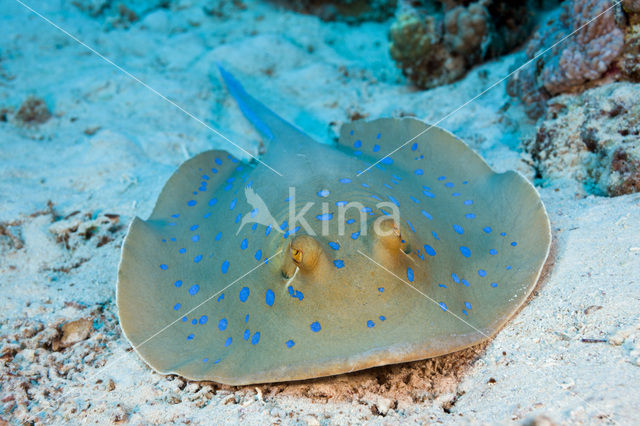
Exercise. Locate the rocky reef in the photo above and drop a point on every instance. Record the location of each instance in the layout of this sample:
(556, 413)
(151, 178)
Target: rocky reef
(589, 42)
(591, 138)
(351, 11)
(436, 42)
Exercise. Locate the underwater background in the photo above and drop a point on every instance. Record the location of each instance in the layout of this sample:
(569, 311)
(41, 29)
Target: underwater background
(101, 100)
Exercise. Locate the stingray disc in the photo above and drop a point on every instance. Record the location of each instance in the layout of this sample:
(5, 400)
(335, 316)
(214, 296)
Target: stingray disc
(207, 292)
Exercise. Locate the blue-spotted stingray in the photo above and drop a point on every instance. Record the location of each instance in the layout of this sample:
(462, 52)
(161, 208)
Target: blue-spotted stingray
(209, 292)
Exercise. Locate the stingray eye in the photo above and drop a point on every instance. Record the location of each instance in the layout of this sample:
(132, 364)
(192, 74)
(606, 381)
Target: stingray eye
(296, 255)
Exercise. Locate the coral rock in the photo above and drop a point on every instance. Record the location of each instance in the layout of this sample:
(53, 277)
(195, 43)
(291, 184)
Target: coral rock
(574, 62)
(351, 11)
(439, 43)
(33, 111)
(592, 138)
(75, 331)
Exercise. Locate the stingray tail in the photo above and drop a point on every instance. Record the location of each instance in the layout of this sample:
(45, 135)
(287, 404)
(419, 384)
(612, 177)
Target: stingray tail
(263, 119)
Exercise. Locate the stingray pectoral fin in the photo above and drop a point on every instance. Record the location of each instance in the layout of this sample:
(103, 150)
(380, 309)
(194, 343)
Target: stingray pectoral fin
(400, 142)
(195, 182)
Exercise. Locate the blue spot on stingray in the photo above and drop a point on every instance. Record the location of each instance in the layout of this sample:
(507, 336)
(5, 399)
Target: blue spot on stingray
(256, 338)
(197, 259)
(228, 341)
(449, 185)
(455, 278)
(184, 319)
(382, 317)
(487, 229)
(218, 161)
(514, 244)
(268, 230)
(270, 297)
(465, 312)
(194, 321)
(366, 209)
(428, 194)
(203, 319)
(246, 334)
(178, 283)
(195, 238)
(388, 186)
(376, 148)
(419, 172)
(193, 227)
(468, 202)
(442, 285)
(325, 216)
(357, 153)
(376, 197)
(351, 132)
(414, 147)
(225, 266)
(470, 216)
(244, 294)
(435, 235)
(296, 294)
(192, 203)
(442, 178)
(503, 234)
(466, 252)
(393, 200)
(345, 180)
(371, 324)
(427, 215)
(341, 203)
(482, 272)
(233, 204)
(414, 199)
(207, 215)
(205, 360)
(378, 135)
(324, 193)
(176, 306)
(355, 235)
(443, 306)
(246, 318)
(290, 343)
(334, 246)
(410, 274)
(357, 144)
(509, 267)
(258, 254)
(214, 170)
(339, 263)
(420, 255)
(315, 326)
(220, 297)
(467, 305)
(193, 290)
(494, 285)
(387, 160)
(222, 324)
(465, 282)
(243, 244)
(381, 289)
(429, 250)
(191, 336)
(411, 226)
(458, 229)
(350, 221)
(493, 252)
(218, 236)
(164, 267)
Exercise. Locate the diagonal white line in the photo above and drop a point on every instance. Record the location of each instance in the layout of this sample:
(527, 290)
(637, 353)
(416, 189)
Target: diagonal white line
(425, 295)
(487, 89)
(127, 73)
(113, 362)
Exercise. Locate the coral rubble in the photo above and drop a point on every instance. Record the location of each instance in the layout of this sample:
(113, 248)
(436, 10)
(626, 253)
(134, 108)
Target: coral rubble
(594, 138)
(439, 41)
(33, 111)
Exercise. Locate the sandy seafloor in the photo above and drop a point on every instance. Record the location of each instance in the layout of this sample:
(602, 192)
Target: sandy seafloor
(112, 144)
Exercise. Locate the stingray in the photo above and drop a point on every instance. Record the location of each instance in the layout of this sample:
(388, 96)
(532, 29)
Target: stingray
(223, 283)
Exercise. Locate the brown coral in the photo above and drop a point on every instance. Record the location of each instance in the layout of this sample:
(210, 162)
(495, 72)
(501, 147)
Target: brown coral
(584, 43)
(437, 43)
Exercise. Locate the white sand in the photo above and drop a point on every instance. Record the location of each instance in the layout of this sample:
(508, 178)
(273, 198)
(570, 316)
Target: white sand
(539, 365)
